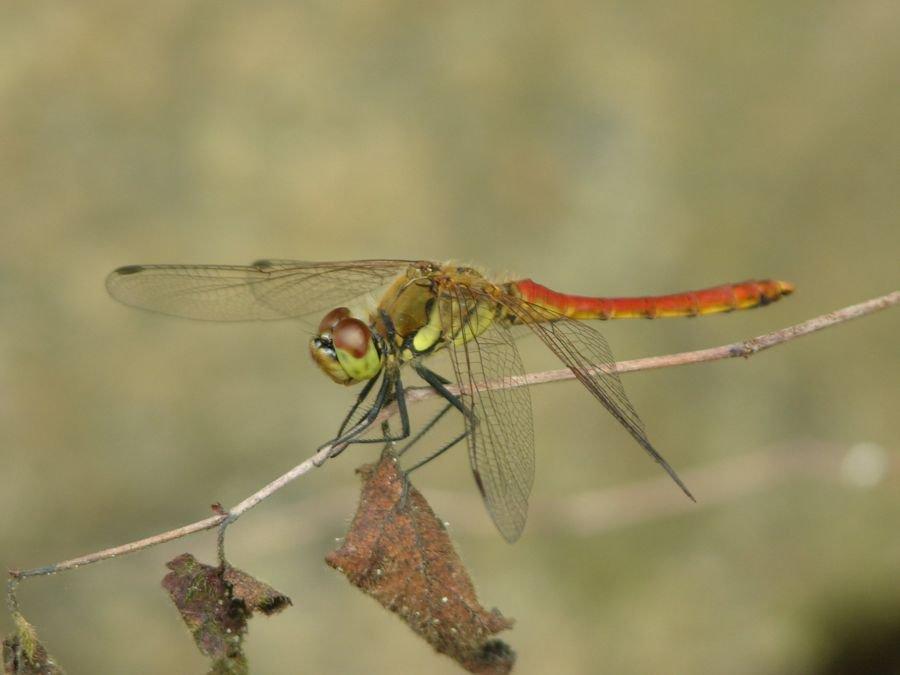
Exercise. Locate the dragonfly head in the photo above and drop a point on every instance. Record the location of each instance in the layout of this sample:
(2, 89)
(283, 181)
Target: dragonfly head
(345, 349)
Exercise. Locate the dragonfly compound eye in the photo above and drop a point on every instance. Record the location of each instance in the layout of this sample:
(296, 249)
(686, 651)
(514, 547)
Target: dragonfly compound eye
(330, 320)
(355, 349)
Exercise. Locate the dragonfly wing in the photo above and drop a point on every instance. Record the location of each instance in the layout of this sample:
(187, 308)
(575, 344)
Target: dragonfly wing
(265, 290)
(501, 438)
(587, 354)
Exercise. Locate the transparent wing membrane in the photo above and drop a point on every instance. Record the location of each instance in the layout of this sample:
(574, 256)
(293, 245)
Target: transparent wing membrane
(265, 290)
(586, 352)
(501, 437)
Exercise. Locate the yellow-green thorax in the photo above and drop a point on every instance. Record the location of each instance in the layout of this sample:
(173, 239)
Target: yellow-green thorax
(432, 308)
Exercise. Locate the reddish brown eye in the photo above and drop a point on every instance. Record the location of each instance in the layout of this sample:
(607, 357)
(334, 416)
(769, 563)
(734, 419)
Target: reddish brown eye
(330, 320)
(353, 336)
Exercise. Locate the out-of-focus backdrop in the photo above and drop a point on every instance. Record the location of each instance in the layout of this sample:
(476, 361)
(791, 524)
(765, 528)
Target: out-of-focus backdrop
(610, 148)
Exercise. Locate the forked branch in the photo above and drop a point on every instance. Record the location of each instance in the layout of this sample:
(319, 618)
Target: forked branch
(745, 348)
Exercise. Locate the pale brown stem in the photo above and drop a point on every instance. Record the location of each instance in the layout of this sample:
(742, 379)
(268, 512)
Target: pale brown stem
(744, 348)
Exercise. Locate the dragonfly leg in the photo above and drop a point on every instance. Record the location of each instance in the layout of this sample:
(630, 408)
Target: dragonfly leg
(424, 430)
(440, 451)
(438, 383)
(399, 396)
(420, 369)
(383, 398)
(349, 436)
(359, 400)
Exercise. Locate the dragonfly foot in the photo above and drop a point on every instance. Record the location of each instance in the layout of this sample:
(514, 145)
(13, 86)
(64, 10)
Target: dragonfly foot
(404, 494)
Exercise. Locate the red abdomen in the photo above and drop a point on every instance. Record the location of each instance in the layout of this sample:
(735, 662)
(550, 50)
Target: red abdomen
(725, 298)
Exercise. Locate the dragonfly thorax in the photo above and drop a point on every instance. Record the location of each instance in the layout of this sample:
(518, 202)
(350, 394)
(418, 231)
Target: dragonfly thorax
(345, 349)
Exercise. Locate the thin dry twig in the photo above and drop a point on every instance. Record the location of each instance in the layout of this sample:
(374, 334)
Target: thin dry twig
(745, 348)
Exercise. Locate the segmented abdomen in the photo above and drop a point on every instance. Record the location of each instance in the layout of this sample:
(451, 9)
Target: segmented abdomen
(725, 298)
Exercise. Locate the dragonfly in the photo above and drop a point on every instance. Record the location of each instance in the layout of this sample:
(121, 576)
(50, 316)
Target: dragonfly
(428, 307)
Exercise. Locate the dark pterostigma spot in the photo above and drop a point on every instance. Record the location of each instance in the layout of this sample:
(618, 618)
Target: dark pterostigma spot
(129, 269)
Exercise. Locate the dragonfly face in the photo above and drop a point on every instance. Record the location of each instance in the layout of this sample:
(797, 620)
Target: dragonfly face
(344, 348)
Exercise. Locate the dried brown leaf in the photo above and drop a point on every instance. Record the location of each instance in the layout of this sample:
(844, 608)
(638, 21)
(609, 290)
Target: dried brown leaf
(399, 552)
(23, 654)
(215, 604)
(256, 596)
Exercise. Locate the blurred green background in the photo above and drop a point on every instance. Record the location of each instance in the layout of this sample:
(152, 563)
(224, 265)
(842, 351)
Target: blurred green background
(609, 148)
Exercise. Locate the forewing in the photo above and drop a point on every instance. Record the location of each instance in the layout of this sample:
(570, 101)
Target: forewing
(587, 354)
(265, 290)
(501, 439)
